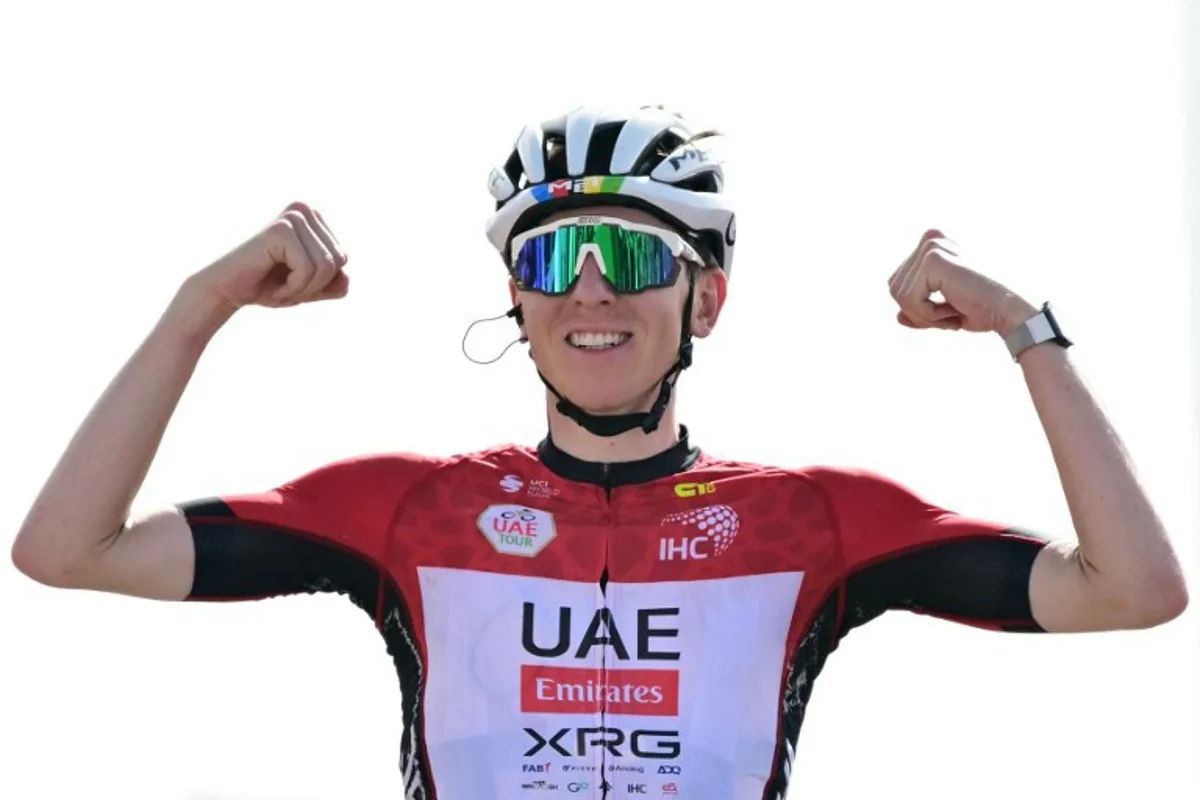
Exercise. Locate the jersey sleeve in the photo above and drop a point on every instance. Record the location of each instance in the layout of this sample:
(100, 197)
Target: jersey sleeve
(325, 531)
(901, 551)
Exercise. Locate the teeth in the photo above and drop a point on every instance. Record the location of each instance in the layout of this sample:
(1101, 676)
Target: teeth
(597, 340)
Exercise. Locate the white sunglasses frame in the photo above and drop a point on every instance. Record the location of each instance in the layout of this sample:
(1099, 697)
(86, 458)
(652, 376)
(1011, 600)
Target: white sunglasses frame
(679, 246)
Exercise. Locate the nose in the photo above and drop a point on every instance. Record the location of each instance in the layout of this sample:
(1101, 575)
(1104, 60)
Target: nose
(592, 288)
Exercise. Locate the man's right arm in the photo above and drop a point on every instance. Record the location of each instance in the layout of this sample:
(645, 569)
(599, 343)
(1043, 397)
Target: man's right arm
(78, 533)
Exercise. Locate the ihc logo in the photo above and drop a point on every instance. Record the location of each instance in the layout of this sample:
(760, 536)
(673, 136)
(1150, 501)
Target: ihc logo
(707, 532)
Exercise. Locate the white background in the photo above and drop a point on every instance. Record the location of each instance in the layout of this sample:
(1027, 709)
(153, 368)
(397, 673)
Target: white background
(144, 141)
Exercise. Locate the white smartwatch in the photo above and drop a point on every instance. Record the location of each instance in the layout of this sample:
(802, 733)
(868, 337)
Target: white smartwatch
(1041, 327)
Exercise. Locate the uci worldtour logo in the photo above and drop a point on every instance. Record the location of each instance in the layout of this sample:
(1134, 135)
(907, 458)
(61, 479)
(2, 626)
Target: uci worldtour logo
(539, 488)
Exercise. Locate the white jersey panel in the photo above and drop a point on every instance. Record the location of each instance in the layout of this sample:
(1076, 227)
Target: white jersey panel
(546, 688)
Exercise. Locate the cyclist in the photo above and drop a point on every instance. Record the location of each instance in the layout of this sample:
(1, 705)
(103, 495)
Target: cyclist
(613, 612)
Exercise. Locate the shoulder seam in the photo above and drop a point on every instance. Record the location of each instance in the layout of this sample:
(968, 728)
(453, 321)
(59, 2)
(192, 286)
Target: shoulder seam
(836, 524)
(432, 467)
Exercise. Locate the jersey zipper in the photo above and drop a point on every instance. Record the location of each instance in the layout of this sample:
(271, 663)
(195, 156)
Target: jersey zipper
(606, 475)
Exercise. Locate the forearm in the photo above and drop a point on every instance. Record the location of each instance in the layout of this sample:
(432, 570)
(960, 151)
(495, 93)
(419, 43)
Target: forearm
(1123, 547)
(88, 495)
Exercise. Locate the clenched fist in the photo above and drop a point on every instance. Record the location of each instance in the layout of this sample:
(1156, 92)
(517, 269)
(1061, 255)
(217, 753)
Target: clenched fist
(296, 259)
(971, 301)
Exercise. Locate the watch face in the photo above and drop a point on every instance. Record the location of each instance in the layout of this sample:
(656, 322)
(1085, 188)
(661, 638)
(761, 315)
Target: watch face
(1052, 321)
(1040, 328)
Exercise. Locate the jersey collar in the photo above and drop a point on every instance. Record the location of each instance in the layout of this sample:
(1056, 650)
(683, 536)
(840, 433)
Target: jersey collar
(675, 459)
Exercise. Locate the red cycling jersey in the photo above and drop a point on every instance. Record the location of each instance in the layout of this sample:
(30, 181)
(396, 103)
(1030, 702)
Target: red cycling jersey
(569, 629)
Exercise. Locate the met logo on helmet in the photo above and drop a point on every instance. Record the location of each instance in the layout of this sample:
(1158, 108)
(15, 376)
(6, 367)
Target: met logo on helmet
(688, 153)
(517, 530)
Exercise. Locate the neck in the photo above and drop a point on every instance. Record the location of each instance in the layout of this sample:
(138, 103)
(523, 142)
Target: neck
(633, 445)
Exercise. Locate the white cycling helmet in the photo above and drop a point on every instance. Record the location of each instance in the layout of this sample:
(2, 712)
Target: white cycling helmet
(649, 159)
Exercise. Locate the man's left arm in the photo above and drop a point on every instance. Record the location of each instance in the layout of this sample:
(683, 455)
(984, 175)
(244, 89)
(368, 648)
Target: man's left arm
(1123, 573)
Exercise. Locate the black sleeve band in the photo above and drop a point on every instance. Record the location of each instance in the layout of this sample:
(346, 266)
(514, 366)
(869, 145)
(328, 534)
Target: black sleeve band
(240, 560)
(984, 581)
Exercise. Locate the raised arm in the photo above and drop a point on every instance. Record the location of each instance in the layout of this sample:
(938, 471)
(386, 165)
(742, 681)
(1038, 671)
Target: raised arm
(78, 533)
(1123, 573)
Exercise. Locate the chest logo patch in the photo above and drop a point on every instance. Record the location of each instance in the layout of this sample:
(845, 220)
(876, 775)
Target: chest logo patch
(701, 533)
(516, 530)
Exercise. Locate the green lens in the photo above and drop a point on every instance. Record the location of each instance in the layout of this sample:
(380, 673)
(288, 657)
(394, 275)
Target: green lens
(633, 261)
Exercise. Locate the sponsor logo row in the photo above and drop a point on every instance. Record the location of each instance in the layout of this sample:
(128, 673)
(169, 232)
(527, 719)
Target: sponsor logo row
(669, 789)
(663, 769)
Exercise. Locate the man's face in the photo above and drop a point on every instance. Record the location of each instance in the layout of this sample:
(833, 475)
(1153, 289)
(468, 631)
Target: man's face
(621, 378)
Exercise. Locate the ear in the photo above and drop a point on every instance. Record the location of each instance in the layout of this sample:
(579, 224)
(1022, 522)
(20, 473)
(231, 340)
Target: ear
(708, 300)
(514, 295)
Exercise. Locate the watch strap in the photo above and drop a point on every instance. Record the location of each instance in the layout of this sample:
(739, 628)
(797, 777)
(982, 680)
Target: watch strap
(1041, 327)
